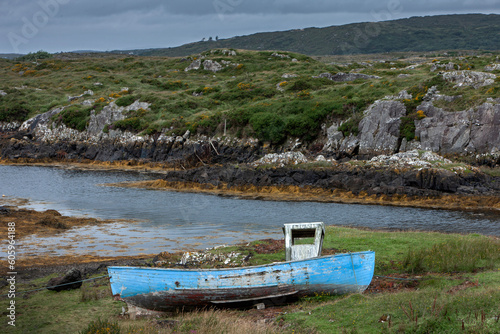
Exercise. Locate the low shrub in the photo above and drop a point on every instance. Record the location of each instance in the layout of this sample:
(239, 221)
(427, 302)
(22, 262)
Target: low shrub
(268, 127)
(75, 117)
(125, 100)
(132, 124)
(102, 327)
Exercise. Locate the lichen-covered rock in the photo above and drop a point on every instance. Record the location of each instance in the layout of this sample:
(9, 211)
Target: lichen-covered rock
(379, 129)
(412, 158)
(110, 114)
(211, 65)
(492, 67)
(460, 132)
(11, 126)
(282, 159)
(469, 78)
(195, 65)
(447, 67)
(345, 77)
(334, 138)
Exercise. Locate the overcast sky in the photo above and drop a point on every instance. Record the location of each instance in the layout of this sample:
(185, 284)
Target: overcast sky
(66, 25)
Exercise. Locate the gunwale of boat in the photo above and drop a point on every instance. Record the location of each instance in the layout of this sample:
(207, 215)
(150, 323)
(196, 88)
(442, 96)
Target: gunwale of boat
(246, 267)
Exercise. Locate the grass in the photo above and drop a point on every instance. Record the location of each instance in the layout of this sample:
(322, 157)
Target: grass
(449, 299)
(245, 97)
(427, 310)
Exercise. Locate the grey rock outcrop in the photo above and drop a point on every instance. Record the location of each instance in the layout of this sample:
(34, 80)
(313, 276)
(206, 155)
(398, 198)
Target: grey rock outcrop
(379, 129)
(447, 67)
(211, 65)
(281, 159)
(195, 65)
(110, 114)
(40, 120)
(469, 78)
(86, 93)
(12, 126)
(345, 77)
(334, 138)
(464, 132)
(492, 67)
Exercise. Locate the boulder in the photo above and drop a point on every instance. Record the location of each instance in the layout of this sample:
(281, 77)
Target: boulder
(64, 283)
(334, 138)
(195, 65)
(211, 65)
(344, 77)
(459, 132)
(469, 78)
(88, 92)
(4, 210)
(492, 67)
(379, 129)
(283, 159)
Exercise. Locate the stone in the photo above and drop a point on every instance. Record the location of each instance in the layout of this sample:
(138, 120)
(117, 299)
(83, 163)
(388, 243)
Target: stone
(345, 77)
(195, 65)
(4, 210)
(492, 67)
(281, 159)
(289, 75)
(334, 138)
(279, 86)
(88, 92)
(447, 67)
(469, 78)
(211, 65)
(402, 95)
(379, 129)
(2, 93)
(279, 55)
(459, 132)
(320, 158)
(64, 283)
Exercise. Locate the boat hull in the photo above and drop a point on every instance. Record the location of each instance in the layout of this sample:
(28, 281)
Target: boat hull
(165, 289)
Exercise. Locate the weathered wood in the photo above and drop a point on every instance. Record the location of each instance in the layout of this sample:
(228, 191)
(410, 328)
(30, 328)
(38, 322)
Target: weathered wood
(299, 231)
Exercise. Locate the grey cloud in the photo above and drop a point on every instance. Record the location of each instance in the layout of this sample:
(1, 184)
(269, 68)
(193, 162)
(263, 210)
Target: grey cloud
(103, 24)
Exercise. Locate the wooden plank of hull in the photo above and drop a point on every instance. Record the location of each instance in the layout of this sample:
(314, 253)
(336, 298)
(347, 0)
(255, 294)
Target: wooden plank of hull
(163, 288)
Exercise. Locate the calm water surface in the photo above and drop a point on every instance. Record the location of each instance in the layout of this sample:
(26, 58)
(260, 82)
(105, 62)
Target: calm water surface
(169, 221)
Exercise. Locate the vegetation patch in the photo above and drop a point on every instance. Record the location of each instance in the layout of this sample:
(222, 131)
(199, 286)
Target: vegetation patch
(75, 117)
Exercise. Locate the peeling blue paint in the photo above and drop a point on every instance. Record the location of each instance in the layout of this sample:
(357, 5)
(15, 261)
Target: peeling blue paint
(164, 288)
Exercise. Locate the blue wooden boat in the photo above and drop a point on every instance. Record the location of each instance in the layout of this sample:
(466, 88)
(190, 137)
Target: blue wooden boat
(166, 289)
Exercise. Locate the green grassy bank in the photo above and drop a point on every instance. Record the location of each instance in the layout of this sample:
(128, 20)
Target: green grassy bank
(447, 283)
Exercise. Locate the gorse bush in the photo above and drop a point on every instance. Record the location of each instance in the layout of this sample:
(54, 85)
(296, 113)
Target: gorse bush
(268, 127)
(102, 327)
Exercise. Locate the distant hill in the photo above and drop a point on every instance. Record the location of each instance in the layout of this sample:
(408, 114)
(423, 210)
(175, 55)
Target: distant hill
(429, 33)
(10, 55)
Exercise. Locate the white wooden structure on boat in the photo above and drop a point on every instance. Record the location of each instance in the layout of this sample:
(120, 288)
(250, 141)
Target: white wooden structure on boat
(296, 231)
